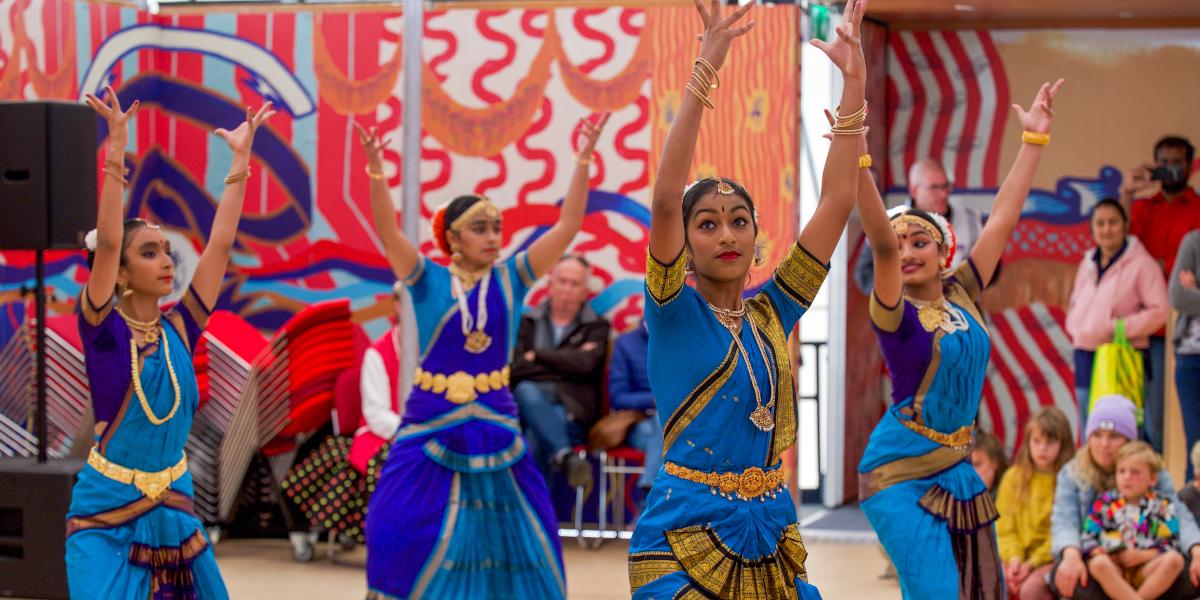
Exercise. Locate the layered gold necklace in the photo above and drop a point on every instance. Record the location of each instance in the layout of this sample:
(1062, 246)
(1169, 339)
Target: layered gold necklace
(939, 314)
(151, 332)
(761, 416)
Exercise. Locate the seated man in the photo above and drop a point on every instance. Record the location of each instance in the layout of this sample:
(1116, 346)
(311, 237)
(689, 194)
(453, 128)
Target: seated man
(629, 389)
(557, 368)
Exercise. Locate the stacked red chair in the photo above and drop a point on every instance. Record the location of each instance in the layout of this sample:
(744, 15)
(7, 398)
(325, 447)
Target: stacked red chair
(16, 395)
(68, 401)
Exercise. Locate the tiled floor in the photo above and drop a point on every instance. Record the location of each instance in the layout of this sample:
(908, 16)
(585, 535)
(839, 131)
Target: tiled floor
(264, 569)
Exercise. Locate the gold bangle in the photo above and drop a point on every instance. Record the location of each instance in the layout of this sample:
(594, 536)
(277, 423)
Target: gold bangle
(120, 166)
(864, 161)
(237, 177)
(712, 72)
(836, 131)
(583, 161)
(703, 98)
(850, 121)
(702, 79)
(373, 174)
(116, 175)
(1035, 138)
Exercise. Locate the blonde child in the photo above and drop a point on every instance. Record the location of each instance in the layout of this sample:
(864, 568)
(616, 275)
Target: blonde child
(1131, 536)
(1025, 499)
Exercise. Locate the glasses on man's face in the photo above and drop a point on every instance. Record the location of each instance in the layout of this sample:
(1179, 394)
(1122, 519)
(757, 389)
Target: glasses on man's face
(941, 187)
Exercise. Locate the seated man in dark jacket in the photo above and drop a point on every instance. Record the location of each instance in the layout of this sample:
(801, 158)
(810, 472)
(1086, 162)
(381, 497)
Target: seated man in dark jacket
(629, 389)
(557, 368)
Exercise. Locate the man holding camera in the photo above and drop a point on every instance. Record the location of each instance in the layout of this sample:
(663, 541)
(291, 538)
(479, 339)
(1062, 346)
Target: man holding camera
(1165, 210)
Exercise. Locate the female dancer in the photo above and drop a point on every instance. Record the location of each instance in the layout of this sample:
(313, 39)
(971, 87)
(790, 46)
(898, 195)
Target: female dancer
(131, 531)
(719, 521)
(460, 510)
(916, 484)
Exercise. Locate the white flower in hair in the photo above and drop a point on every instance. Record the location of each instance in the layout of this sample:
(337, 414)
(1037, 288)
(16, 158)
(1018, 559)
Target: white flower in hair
(89, 240)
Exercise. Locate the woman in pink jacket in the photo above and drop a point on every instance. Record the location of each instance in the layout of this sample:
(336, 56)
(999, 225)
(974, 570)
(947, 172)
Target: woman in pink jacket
(1116, 280)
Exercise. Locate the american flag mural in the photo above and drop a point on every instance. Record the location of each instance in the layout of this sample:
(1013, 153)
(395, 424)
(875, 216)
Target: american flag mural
(949, 98)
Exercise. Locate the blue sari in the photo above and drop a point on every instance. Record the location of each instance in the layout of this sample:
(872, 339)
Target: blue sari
(918, 489)
(121, 542)
(741, 540)
(460, 510)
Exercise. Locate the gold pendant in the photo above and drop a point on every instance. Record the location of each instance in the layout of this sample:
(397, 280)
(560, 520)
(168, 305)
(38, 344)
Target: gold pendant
(150, 336)
(478, 342)
(931, 317)
(762, 418)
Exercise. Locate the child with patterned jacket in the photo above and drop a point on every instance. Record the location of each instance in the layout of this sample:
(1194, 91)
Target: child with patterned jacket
(1131, 536)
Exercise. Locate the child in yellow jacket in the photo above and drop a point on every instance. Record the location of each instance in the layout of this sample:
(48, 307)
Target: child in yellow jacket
(1025, 500)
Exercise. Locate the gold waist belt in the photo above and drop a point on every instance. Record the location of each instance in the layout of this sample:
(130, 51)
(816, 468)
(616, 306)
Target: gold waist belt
(748, 485)
(461, 387)
(961, 439)
(151, 484)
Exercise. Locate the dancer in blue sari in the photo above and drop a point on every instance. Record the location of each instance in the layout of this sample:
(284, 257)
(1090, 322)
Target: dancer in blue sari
(931, 511)
(131, 530)
(461, 510)
(719, 521)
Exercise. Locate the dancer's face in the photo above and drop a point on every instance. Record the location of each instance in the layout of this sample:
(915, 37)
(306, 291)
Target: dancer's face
(147, 267)
(720, 237)
(920, 257)
(478, 241)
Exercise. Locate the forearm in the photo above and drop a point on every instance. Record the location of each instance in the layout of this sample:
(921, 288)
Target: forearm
(550, 247)
(666, 209)
(839, 181)
(110, 214)
(229, 211)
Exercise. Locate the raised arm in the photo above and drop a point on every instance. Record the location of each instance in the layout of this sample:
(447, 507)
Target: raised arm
(839, 181)
(885, 248)
(548, 248)
(1006, 210)
(210, 270)
(109, 216)
(666, 205)
(400, 252)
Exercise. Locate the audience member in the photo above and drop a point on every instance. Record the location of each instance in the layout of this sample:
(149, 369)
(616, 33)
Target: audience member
(929, 190)
(1111, 425)
(989, 459)
(1131, 535)
(1185, 298)
(1116, 280)
(1025, 500)
(1167, 209)
(557, 369)
(1189, 495)
(629, 389)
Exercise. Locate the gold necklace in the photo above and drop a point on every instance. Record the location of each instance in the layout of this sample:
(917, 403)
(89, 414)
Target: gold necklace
(761, 416)
(938, 315)
(468, 278)
(137, 381)
(148, 329)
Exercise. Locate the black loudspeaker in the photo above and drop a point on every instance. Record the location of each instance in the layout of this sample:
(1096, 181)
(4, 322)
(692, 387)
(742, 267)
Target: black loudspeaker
(33, 526)
(47, 175)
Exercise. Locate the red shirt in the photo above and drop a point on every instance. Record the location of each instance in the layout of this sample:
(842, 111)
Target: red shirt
(1160, 224)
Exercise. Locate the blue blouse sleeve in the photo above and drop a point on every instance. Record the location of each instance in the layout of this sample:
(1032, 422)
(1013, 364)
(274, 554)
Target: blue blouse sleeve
(520, 277)
(429, 287)
(795, 284)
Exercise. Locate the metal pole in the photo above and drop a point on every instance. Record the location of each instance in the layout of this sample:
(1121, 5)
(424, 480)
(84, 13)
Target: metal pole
(40, 413)
(414, 30)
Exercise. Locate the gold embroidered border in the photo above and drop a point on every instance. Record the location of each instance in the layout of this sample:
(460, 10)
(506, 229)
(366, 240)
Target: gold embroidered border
(664, 281)
(129, 512)
(718, 570)
(962, 516)
(645, 567)
(935, 361)
(699, 398)
(800, 275)
(766, 317)
(147, 556)
(690, 592)
(195, 307)
(886, 319)
(417, 272)
(907, 469)
(95, 316)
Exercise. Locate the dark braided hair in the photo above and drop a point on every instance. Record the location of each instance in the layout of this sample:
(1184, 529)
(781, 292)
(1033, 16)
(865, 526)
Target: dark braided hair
(131, 227)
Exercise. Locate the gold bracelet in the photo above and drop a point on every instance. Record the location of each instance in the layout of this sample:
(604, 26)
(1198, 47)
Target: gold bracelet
(711, 72)
(864, 161)
(120, 166)
(703, 98)
(238, 177)
(373, 174)
(836, 131)
(850, 121)
(582, 161)
(1035, 138)
(116, 175)
(702, 79)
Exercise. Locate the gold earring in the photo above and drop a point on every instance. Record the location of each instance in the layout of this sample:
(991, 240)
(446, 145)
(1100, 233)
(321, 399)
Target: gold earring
(126, 291)
(455, 255)
(759, 259)
(689, 267)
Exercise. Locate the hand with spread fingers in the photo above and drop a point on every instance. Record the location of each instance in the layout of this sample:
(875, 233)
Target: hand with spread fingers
(241, 140)
(1041, 112)
(373, 145)
(591, 133)
(720, 30)
(118, 120)
(846, 49)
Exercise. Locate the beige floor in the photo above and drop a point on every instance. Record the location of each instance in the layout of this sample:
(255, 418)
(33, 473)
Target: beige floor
(264, 569)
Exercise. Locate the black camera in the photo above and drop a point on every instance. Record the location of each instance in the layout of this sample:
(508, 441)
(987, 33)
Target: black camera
(1168, 175)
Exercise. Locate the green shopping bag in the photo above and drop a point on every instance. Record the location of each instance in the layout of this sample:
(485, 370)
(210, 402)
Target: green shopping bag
(1118, 369)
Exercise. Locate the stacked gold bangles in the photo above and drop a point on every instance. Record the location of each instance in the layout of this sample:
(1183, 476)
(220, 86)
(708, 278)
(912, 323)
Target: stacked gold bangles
(704, 78)
(461, 387)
